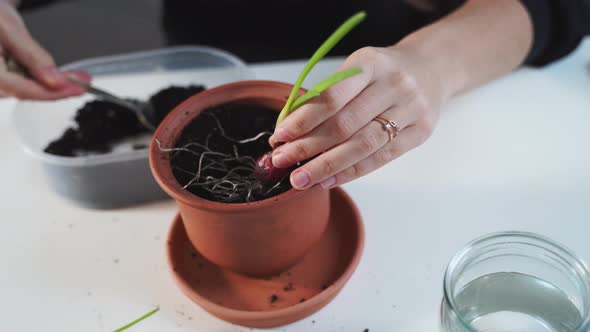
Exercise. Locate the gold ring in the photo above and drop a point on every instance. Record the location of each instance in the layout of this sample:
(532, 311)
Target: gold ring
(388, 125)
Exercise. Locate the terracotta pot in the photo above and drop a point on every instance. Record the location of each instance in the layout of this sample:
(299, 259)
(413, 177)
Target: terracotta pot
(260, 238)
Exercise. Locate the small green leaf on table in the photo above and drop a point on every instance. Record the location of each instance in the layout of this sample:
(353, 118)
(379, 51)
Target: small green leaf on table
(137, 320)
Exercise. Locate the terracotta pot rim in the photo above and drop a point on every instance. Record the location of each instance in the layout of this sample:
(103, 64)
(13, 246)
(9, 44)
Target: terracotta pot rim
(316, 301)
(174, 189)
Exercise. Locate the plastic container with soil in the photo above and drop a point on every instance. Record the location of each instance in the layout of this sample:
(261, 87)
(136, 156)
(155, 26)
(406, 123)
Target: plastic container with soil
(120, 177)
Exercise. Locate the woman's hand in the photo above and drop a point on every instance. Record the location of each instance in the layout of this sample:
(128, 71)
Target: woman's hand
(478, 42)
(16, 42)
(338, 128)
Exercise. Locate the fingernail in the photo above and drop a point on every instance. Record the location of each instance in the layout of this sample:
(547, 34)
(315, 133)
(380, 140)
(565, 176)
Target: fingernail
(279, 160)
(281, 135)
(79, 75)
(53, 77)
(272, 141)
(300, 179)
(328, 183)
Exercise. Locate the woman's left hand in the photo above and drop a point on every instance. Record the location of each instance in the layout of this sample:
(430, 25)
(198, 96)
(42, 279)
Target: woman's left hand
(338, 128)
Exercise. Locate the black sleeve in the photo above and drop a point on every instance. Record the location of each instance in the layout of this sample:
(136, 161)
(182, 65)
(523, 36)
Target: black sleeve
(29, 4)
(559, 26)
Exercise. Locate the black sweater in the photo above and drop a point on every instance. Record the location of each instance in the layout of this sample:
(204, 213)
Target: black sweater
(263, 30)
(559, 27)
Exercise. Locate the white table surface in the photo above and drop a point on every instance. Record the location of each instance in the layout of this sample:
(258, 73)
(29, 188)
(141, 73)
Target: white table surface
(510, 155)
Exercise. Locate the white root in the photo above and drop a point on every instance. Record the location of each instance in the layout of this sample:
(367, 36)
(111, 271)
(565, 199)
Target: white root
(236, 181)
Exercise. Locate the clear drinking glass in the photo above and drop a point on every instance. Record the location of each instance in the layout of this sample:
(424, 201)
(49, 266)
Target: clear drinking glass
(516, 282)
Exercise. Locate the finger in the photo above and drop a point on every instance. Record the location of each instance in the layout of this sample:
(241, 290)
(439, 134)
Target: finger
(361, 145)
(321, 108)
(23, 88)
(78, 75)
(26, 51)
(4, 93)
(344, 124)
(407, 140)
(337, 129)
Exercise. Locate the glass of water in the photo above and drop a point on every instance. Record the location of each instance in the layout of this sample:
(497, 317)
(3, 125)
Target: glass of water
(516, 282)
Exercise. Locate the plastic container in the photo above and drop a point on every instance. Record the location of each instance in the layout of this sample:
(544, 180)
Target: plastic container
(122, 177)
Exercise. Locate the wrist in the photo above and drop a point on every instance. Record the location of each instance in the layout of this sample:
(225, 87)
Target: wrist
(439, 74)
(435, 53)
(475, 44)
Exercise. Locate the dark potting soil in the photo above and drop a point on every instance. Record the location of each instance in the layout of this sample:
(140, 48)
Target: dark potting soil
(99, 124)
(167, 99)
(238, 122)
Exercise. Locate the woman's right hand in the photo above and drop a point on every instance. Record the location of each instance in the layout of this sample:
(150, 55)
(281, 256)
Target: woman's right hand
(48, 83)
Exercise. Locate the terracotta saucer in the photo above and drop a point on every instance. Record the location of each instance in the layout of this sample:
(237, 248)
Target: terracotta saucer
(297, 293)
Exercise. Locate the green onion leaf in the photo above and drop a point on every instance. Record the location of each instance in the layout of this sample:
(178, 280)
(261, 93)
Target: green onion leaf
(323, 85)
(137, 320)
(318, 55)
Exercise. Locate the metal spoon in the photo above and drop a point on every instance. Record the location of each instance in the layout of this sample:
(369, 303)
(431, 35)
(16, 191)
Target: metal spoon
(141, 109)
